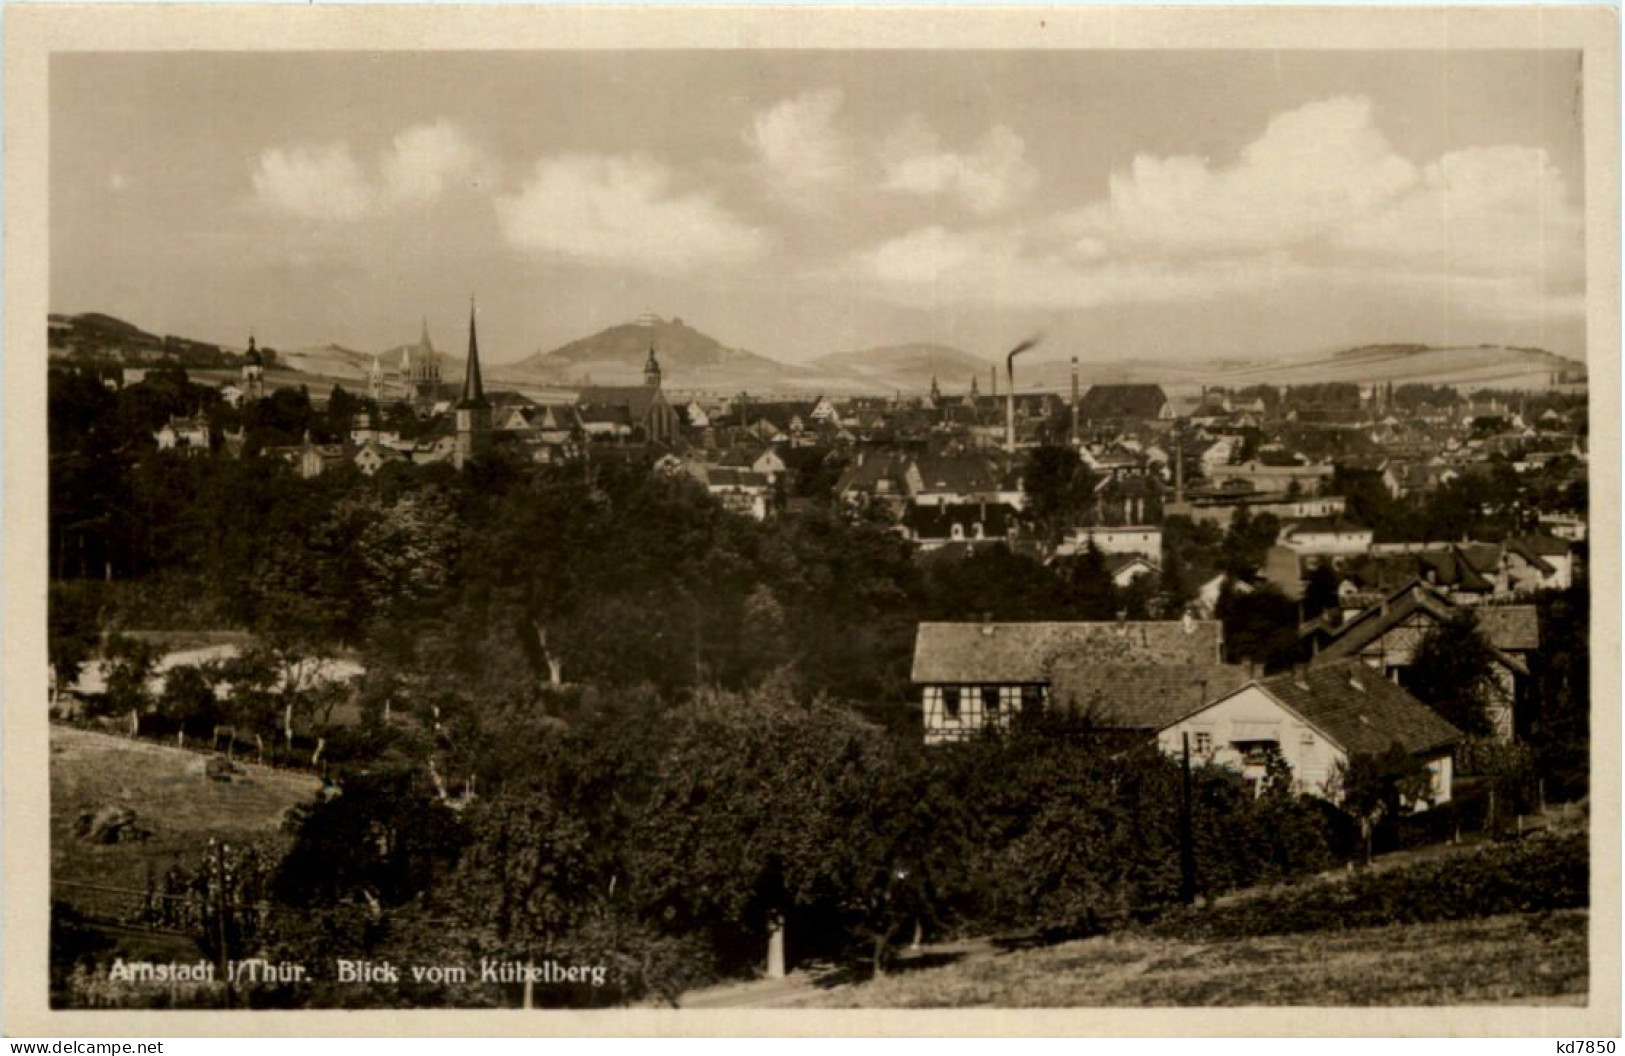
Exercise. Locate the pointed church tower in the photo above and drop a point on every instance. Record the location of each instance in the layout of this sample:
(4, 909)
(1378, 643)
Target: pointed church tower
(651, 370)
(375, 381)
(473, 410)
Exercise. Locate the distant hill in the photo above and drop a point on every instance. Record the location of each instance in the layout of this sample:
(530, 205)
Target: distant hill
(909, 367)
(1490, 366)
(688, 358)
(696, 362)
(330, 361)
(107, 324)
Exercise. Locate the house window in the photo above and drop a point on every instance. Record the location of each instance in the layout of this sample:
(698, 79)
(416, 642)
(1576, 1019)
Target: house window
(1307, 739)
(1202, 742)
(950, 702)
(1010, 698)
(1031, 697)
(990, 700)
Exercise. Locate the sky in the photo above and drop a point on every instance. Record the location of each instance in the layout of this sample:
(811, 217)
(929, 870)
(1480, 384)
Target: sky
(1125, 205)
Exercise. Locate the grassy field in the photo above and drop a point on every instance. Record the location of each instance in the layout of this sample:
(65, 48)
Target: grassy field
(171, 797)
(1520, 958)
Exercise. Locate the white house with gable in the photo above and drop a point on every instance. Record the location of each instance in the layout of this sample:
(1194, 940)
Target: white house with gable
(1317, 719)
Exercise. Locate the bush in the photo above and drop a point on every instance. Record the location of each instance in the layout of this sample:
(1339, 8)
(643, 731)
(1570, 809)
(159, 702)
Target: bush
(1544, 872)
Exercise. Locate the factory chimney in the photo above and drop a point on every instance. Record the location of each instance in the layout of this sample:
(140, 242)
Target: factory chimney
(1074, 401)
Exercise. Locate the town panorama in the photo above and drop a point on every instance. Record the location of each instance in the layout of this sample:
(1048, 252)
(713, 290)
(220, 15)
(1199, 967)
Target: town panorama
(1181, 598)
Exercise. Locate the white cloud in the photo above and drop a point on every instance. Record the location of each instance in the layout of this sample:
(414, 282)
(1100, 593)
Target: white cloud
(1312, 170)
(936, 267)
(1483, 211)
(1319, 202)
(327, 182)
(621, 211)
(994, 176)
(424, 160)
(800, 149)
(318, 183)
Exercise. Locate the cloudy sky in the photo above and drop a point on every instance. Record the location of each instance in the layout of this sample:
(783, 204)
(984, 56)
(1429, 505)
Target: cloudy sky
(1151, 204)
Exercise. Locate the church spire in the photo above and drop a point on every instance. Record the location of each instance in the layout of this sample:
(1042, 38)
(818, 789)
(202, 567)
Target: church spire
(473, 387)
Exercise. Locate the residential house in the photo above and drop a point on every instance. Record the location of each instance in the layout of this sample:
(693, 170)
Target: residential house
(373, 456)
(696, 415)
(936, 480)
(190, 434)
(1219, 506)
(932, 526)
(1262, 476)
(740, 490)
(761, 460)
(1144, 540)
(1564, 526)
(1126, 568)
(1326, 536)
(1538, 562)
(1317, 719)
(1130, 675)
(1465, 573)
(1387, 634)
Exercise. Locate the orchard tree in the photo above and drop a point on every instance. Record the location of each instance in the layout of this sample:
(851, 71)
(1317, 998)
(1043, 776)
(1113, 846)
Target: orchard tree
(1378, 786)
(385, 840)
(131, 663)
(189, 699)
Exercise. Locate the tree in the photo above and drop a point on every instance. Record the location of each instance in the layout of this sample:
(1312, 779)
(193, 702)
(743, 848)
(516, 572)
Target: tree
(386, 839)
(1246, 541)
(757, 819)
(1453, 672)
(1059, 488)
(1090, 592)
(1558, 723)
(131, 662)
(1383, 785)
(72, 631)
(1320, 592)
(1260, 627)
(189, 699)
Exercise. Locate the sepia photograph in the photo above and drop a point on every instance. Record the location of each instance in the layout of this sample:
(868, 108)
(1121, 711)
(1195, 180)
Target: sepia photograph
(753, 523)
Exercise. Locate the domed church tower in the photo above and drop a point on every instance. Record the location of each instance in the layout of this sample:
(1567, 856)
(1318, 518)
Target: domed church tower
(253, 372)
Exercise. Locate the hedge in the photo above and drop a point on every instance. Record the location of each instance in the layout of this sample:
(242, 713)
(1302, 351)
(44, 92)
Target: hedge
(1546, 871)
